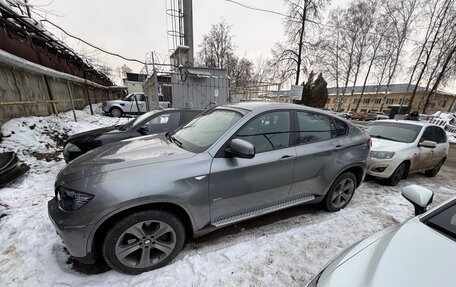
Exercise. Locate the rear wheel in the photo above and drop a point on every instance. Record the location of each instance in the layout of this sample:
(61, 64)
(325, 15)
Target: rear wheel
(116, 112)
(433, 172)
(398, 174)
(143, 241)
(341, 192)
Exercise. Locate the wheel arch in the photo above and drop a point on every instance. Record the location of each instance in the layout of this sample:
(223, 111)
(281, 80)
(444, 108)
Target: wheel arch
(357, 170)
(102, 227)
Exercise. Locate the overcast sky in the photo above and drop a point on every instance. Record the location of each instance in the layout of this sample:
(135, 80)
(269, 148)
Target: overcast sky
(133, 28)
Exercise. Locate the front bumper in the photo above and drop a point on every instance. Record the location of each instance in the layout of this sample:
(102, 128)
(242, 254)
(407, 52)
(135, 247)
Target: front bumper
(383, 168)
(75, 238)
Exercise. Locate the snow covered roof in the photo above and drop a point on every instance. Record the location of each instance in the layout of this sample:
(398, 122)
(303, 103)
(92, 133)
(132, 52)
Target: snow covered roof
(374, 89)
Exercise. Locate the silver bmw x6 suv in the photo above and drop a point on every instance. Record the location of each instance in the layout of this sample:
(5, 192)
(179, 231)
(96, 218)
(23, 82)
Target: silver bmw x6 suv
(135, 202)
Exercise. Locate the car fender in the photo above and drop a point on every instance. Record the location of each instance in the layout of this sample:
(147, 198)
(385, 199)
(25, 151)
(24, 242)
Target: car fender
(133, 204)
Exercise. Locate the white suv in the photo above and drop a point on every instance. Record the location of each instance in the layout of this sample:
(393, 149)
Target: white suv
(134, 103)
(401, 147)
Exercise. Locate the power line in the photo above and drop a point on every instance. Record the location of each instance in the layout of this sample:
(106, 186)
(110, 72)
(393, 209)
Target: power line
(307, 20)
(98, 48)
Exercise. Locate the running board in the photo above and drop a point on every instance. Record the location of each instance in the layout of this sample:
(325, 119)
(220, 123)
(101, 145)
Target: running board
(261, 211)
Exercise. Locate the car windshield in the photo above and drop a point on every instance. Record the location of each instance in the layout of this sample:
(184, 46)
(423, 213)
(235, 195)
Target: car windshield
(445, 221)
(203, 131)
(138, 121)
(393, 131)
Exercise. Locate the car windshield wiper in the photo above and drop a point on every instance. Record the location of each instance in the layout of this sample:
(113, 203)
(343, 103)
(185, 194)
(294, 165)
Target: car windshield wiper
(385, 138)
(173, 139)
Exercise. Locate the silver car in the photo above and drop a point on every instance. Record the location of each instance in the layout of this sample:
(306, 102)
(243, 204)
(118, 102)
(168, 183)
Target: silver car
(135, 202)
(419, 252)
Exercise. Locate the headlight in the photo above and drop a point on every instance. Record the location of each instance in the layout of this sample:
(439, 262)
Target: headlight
(71, 200)
(382, 154)
(71, 148)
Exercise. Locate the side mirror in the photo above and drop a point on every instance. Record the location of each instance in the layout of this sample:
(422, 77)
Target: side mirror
(419, 196)
(144, 130)
(241, 148)
(428, 144)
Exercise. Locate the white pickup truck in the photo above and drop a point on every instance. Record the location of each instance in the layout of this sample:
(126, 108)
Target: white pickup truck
(134, 103)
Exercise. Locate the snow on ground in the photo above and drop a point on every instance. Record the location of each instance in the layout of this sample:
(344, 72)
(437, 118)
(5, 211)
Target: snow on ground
(283, 249)
(451, 138)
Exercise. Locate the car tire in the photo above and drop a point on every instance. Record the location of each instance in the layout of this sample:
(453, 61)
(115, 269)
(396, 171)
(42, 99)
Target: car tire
(433, 172)
(397, 175)
(115, 112)
(143, 241)
(340, 193)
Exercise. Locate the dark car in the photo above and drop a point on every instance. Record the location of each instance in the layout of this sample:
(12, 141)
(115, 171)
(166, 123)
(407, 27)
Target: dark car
(135, 202)
(153, 122)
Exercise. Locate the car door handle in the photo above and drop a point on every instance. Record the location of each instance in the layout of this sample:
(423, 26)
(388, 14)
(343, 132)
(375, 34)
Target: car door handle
(339, 147)
(286, 157)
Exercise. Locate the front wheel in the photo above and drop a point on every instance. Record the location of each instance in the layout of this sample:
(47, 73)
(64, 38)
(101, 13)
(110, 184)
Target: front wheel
(398, 174)
(116, 112)
(433, 172)
(143, 241)
(340, 192)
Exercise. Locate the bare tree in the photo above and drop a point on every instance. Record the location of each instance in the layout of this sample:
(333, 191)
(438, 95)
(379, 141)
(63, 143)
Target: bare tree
(240, 71)
(362, 21)
(329, 46)
(300, 13)
(437, 26)
(217, 46)
(401, 15)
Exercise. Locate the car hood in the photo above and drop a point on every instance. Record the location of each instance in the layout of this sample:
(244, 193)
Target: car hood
(412, 254)
(123, 154)
(92, 134)
(386, 145)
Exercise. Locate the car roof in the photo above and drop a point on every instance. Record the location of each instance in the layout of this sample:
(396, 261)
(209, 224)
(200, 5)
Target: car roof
(416, 123)
(266, 106)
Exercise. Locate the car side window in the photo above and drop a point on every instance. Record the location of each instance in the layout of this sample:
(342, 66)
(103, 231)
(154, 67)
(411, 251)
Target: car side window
(163, 123)
(316, 128)
(190, 115)
(440, 135)
(428, 135)
(268, 131)
(341, 127)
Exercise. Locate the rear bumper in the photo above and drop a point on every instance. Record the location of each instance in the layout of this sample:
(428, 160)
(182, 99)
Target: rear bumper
(75, 238)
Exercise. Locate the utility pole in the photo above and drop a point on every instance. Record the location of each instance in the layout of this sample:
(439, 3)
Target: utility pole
(188, 30)
(156, 97)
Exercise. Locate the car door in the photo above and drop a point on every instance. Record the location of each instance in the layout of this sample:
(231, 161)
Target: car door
(317, 145)
(441, 149)
(138, 103)
(425, 156)
(127, 103)
(239, 185)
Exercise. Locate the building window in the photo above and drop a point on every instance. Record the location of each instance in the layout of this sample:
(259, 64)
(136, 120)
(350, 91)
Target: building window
(366, 101)
(378, 101)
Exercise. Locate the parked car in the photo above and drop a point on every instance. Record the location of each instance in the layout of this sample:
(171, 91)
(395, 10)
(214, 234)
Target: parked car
(401, 147)
(347, 115)
(373, 116)
(358, 116)
(153, 122)
(134, 103)
(136, 201)
(419, 252)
